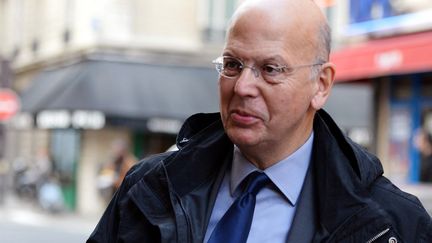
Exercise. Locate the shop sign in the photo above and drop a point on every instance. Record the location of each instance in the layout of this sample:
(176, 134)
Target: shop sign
(79, 119)
(164, 125)
(388, 17)
(389, 59)
(9, 104)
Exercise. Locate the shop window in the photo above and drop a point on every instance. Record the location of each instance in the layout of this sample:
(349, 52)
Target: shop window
(66, 36)
(214, 16)
(151, 143)
(35, 45)
(65, 150)
(399, 144)
(426, 86)
(401, 88)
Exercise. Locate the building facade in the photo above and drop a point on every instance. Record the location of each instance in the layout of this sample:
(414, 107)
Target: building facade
(93, 72)
(384, 44)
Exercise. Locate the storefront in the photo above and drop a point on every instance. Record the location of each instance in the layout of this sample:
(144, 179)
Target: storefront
(84, 106)
(400, 70)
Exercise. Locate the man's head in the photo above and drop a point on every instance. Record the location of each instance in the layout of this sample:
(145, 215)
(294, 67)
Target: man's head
(268, 107)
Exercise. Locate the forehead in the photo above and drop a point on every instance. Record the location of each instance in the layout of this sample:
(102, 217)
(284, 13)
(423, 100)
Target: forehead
(271, 31)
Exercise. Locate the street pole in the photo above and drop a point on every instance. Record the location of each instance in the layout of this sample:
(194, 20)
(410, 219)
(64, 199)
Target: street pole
(5, 82)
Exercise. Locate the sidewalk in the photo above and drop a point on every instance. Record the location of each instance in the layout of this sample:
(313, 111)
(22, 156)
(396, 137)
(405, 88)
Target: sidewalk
(17, 211)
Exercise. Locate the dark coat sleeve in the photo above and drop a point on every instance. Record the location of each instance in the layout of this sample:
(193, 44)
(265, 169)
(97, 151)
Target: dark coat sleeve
(122, 221)
(411, 219)
(107, 228)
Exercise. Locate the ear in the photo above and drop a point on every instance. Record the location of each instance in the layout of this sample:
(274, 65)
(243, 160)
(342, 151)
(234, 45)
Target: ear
(325, 84)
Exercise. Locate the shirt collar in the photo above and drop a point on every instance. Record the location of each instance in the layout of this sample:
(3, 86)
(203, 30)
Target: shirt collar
(287, 175)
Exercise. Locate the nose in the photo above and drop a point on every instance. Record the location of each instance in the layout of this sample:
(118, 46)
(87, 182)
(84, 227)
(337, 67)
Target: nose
(254, 70)
(245, 85)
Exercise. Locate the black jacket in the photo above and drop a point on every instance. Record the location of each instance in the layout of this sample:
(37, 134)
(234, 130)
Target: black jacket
(169, 197)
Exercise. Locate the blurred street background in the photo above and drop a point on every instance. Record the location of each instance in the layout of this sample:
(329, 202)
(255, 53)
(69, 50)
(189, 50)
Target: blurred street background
(88, 88)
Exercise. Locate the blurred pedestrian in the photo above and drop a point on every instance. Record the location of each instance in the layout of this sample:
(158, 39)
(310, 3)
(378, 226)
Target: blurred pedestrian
(271, 166)
(123, 160)
(423, 142)
(44, 165)
(113, 172)
(50, 195)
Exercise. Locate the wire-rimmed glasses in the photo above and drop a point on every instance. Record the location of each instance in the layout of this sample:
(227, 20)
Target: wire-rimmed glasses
(231, 67)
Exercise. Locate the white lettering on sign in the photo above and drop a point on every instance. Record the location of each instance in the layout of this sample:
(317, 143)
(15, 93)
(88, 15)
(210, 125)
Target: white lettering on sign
(164, 125)
(388, 60)
(53, 119)
(88, 119)
(80, 119)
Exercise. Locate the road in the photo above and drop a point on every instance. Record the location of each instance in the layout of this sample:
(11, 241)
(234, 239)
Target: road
(12, 232)
(27, 224)
(23, 223)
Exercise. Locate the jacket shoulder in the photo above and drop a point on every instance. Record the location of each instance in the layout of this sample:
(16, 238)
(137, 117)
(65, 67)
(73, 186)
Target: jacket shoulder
(383, 190)
(121, 213)
(400, 206)
(144, 166)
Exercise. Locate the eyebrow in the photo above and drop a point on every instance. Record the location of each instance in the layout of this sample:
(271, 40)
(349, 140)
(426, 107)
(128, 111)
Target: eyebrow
(278, 58)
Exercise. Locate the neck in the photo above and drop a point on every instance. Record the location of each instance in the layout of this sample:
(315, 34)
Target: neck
(265, 155)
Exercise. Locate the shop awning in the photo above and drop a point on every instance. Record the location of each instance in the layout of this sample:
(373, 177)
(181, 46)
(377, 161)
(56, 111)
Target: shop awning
(124, 89)
(396, 55)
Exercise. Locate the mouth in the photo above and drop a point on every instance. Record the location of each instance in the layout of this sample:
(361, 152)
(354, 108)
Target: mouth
(243, 118)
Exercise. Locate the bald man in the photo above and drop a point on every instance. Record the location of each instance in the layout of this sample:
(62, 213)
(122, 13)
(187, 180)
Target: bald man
(272, 166)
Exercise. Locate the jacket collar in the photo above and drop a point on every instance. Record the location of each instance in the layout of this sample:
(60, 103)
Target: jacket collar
(343, 171)
(203, 147)
(341, 163)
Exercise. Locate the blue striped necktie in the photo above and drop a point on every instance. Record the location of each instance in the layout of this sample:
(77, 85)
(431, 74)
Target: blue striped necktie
(235, 225)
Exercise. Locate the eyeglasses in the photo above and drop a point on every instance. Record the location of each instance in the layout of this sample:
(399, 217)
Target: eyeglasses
(231, 67)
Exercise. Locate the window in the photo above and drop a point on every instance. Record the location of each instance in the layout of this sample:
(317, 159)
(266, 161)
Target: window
(401, 88)
(214, 17)
(426, 86)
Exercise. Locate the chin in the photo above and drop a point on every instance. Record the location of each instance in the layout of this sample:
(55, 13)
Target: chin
(242, 137)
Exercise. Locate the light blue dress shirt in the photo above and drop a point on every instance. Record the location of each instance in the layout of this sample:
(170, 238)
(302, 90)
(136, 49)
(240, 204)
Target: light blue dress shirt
(275, 203)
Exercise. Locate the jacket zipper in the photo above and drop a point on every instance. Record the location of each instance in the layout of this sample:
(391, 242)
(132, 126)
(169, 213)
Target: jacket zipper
(378, 235)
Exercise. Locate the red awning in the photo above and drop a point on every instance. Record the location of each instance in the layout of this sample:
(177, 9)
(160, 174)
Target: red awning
(396, 55)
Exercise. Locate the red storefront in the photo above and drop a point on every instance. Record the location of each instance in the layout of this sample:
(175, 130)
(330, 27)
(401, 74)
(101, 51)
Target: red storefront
(399, 69)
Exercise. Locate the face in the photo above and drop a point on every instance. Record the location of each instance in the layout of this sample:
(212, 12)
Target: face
(260, 114)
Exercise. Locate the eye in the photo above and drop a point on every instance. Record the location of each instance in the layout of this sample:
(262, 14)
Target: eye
(272, 70)
(231, 67)
(231, 64)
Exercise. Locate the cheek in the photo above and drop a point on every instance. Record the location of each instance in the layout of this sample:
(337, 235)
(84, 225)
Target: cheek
(289, 100)
(225, 94)
(224, 90)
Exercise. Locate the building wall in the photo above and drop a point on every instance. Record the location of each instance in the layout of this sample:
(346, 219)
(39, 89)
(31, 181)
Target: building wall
(398, 119)
(382, 110)
(38, 30)
(39, 34)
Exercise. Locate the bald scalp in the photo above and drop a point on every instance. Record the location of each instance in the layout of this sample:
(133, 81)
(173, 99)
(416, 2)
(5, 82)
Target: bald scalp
(301, 22)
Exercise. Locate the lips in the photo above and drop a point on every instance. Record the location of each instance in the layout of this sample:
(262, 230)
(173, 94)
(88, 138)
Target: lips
(243, 118)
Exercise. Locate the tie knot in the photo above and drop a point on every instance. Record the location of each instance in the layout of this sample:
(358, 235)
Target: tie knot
(256, 181)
